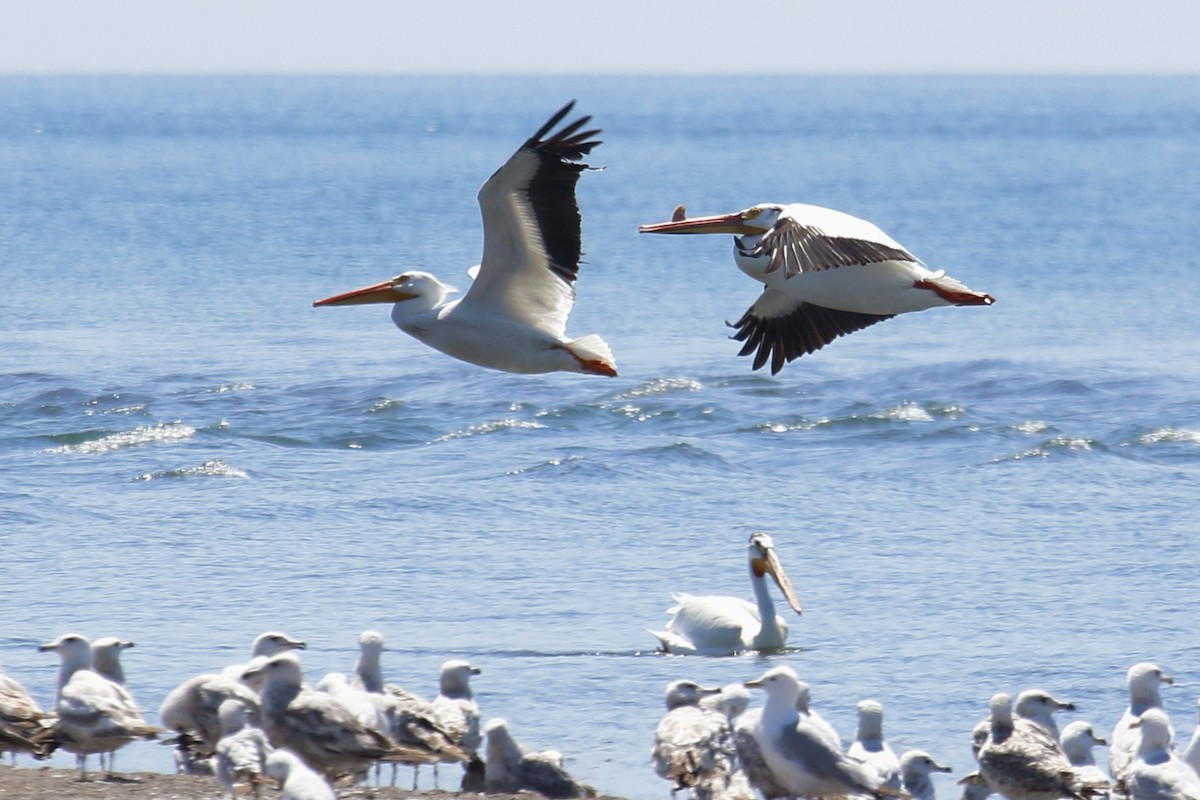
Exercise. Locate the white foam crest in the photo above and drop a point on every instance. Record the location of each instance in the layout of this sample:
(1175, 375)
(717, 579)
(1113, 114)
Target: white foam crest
(1030, 426)
(215, 468)
(908, 412)
(1058, 443)
(168, 433)
(1170, 435)
(490, 427)
(661, 386)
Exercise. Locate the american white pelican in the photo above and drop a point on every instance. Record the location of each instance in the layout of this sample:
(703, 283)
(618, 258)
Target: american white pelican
(1157, 773)
(1022, 762)
(1144, 680)
(826, 274)
(799, 757)
(915, 768)
(721, 625)
(514, 316)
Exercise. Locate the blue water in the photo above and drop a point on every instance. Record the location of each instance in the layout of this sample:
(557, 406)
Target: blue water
(968, 499)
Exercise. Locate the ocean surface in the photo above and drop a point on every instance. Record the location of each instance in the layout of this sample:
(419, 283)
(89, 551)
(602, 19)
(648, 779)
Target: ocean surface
(968, 500)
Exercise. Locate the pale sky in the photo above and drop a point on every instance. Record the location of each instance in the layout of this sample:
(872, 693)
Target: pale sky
(569, 36)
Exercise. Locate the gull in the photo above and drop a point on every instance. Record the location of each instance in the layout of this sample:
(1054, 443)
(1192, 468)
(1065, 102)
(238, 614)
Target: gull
(694, 746)
(801, 758)
(1039, 706)
(95, 715)
(869, 747)
(511, 768)
(825, 274)
(455, 708)
(241, 752)
(297, 780)
(1156, 773)
(1191, 756)
(1077, 741)
(915, 768)
(192, 708)
(24, 726)
(724, 625)
(1144, 680)
(318, 728)
(514, 316)
(1023, 762)
(106, 661)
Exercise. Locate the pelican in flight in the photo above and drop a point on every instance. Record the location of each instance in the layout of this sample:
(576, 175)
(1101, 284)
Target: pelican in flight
(719, 625)
(825, 274)
(514, 316)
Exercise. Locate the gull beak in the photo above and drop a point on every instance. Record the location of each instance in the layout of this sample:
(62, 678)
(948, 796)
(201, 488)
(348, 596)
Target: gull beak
(1099, 741)
(941, 768)
(768, 563)
(48, 647)
(296, 644)
(1167, 679)
(382, 292)
(721, 223)
(753, 684)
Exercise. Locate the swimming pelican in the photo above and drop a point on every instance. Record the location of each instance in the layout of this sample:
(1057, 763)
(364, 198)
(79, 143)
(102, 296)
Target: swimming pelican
(721, 625)
(826, 274)
(514, 316)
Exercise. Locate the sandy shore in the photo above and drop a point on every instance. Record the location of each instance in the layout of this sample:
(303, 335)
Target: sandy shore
(45, 783)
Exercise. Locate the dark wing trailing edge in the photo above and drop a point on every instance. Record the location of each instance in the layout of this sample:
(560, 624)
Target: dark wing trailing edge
(551, 191)
(805, 330)
(795, 248)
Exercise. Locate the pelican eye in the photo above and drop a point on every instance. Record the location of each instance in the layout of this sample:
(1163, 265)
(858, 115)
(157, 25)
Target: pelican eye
(752, 213)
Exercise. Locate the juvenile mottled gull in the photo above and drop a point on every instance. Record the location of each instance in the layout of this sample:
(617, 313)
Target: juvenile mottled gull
(1156, 773)
(191, 709)
(317, 728)
(241, 751)
(298, 781)
(869, 747)
(1039, 706)
(1022, 762)
(694, 747)
(95, 715)
(799, 756)
(1144, 680)
(510, 768)
(915, 768)
(456, 711)
(24, 726)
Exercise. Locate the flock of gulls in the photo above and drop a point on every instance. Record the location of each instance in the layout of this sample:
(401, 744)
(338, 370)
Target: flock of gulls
(825, 273)
(260, 723)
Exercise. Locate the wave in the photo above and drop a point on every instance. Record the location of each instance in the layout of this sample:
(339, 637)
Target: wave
(162, 433)
(215, 468)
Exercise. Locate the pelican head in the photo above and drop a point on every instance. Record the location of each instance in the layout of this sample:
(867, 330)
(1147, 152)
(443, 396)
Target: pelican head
(406, 286)
(764, 561)
(753, 221)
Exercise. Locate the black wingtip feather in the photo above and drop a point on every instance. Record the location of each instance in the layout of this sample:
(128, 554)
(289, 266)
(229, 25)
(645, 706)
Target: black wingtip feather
(805, 330)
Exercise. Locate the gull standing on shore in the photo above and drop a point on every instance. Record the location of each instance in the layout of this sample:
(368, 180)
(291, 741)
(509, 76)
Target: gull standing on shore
(1156, 773)
(1144, 680)
(869, 746)
(916, 767)
(799, 756)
